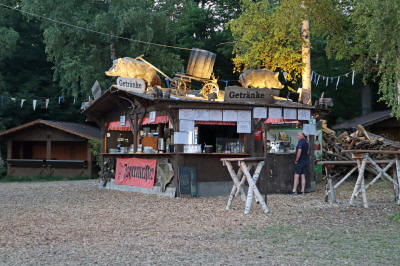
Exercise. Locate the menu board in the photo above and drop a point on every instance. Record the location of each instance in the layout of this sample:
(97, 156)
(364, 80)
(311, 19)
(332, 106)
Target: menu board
(309, 129)
(122, 120)
(181, 137)
(186, 114)
(244, 116)
(243, 127)
(186, 125)
(303, 114)
(275, 113)
(202, 115)
(230, 115)
(152, 116)
(289, 113)
(215, 115)
(260, 112)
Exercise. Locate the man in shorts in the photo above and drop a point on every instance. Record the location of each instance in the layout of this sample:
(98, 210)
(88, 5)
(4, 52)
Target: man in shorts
(300, 163)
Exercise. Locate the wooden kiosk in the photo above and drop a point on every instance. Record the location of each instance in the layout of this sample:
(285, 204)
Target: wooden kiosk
(129, 121)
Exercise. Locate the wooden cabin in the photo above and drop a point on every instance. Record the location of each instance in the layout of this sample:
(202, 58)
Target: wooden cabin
(43, 147)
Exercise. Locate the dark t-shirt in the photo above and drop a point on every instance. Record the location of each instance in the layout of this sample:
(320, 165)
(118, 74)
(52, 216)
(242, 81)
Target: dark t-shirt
(304, 150)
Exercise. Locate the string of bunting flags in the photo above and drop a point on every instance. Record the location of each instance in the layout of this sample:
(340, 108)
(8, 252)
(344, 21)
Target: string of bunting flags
(315, 78)
(36, 100)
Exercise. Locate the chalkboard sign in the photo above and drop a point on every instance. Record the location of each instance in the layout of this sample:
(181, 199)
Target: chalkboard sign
(187, 181)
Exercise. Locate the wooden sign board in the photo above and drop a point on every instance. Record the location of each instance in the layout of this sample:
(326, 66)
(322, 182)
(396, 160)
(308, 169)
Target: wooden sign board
(187, 180)
(131, 84)
(234, 94)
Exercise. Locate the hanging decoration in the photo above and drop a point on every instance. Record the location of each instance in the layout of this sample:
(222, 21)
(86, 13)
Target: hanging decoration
(315, 77)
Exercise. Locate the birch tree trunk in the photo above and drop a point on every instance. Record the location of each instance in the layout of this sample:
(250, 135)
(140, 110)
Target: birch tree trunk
(305, 93)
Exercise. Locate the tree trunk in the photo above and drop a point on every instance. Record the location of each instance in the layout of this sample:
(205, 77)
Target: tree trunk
(305, 93)
(366, 99)
(113, 54)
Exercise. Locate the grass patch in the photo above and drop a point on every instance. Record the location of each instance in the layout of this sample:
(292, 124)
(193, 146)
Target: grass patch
(43, 178)
(395, 217)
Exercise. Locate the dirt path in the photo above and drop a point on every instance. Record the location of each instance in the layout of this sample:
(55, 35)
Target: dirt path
(69, 223)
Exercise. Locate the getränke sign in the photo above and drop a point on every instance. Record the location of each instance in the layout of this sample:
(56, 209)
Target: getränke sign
(131, 84)
(249, 95)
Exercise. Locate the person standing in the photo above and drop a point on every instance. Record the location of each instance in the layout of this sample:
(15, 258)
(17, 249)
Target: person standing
(300, 163)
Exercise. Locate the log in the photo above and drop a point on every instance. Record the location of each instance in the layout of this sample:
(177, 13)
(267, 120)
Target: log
(361, 170)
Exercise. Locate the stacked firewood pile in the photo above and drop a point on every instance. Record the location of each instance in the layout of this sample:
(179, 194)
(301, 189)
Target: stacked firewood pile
(357, 140)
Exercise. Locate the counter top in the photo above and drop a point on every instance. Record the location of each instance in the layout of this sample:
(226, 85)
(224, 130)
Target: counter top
(178, 153)
(280, 153)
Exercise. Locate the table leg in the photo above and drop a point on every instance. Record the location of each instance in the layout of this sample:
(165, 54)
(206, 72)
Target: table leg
(237, 186)
(253, 187)
(361, 169)
(398, 178)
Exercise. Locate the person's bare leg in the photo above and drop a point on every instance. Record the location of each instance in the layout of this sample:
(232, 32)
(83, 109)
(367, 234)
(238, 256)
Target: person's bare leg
(303, 182)
(295, 182)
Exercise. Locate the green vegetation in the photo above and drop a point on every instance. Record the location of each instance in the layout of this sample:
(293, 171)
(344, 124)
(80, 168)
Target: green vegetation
(44, 178)
(395, 217)
(42, 59)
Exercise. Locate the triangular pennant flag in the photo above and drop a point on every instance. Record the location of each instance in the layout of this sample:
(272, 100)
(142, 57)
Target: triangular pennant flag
(327, 79)
(74, 100)
(347, 75)
(352, 79)
(312, 74)
(167, 82)
(47, 102)
(34, 104)
(318, 79)
(22, 102)
(59, 99)
(13, 99)
(226, 83)
(337, 83)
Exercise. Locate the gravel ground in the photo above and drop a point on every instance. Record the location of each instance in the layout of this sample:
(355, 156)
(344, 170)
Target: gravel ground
(75, 223)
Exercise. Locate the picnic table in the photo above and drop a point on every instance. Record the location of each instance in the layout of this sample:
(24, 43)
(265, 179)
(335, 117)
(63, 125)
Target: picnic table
(241, 176)
(361, 159)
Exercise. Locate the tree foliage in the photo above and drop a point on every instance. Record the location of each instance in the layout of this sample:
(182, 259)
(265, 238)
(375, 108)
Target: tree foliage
(364, 32)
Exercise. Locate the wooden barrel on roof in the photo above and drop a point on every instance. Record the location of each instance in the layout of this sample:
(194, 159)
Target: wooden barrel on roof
(201, 63)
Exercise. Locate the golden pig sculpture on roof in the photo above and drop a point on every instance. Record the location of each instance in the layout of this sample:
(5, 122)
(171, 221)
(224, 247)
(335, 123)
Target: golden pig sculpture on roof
(131, 68)
(260, 78)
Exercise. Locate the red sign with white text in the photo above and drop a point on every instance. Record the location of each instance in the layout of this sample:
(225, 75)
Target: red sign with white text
(135, 172)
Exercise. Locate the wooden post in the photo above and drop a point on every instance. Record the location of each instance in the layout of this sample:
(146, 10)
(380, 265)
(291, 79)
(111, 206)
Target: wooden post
(332, 191)
(48, 148)
(252, 186)
(237, 185)
(327, 183)
(9, 155)
(395, 185)
(359, 182)
(398, 177)
(89, 160)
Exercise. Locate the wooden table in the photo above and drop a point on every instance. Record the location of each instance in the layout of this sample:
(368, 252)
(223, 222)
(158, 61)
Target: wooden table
(362, 157)
(243, 175)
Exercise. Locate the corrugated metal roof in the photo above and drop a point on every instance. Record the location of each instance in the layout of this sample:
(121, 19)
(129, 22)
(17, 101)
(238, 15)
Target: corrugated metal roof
(365, 120)
(84, 131)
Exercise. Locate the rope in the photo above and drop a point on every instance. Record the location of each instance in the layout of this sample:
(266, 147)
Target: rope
(94, 31)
